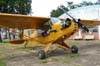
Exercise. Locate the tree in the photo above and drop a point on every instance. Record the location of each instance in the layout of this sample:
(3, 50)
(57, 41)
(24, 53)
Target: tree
(15, 6)
(85, 3)
(71, 5)
(57, 12)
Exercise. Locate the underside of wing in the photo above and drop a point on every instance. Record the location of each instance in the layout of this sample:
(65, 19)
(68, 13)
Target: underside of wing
(21, 21)
(90, 23)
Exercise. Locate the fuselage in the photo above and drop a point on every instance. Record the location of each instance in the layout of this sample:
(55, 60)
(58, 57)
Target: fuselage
(54, 36)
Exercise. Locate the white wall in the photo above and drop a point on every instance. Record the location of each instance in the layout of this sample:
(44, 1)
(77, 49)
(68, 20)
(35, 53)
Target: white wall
(85, 12)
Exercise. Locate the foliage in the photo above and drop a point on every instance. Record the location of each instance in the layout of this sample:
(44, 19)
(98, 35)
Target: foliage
(71, 5)
(58, 11)
(15, 6)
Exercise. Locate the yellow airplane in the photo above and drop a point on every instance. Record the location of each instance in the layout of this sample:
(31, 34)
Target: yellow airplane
(45, 30)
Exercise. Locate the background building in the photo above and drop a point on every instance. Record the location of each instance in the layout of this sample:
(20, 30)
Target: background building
(99, 1)
(85, 12)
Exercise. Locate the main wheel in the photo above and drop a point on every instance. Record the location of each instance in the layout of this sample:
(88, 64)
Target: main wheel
(74, 49)
(42, 54)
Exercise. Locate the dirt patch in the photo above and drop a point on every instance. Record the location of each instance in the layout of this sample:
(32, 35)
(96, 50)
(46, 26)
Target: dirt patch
(89, 55)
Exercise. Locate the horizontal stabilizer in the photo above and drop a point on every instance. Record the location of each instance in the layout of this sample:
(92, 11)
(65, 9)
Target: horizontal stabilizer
(17, 41)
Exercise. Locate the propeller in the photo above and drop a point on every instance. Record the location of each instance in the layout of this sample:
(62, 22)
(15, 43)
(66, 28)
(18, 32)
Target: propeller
(78, 21)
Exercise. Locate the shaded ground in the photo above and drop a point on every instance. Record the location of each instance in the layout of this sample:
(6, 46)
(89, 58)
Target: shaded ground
(89, 55)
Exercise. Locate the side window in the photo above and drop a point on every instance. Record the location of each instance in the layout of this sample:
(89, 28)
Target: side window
(46, 26)
(54, 20)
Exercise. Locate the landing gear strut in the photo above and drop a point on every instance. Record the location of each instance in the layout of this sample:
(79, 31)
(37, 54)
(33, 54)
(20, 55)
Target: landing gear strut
(74, 49)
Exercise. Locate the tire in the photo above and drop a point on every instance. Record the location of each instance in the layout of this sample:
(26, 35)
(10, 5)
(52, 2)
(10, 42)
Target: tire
(74, 49)
(41, 54)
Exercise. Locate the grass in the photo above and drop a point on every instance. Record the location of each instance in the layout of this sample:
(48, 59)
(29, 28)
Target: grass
(5, 41)
(8, 51)
(43, 61)
(66, 60)
(69, 57)
(49, 60)
(72, 56)
(78, 42)
(2, 63)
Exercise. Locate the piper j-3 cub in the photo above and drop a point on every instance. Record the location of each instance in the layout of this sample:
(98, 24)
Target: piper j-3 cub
(47, 31)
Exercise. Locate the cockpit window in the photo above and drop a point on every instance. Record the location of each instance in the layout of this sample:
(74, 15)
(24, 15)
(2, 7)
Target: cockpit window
(55, 20)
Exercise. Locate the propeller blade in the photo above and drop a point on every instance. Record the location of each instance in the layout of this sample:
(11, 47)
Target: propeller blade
(81, 25)
(86, 29)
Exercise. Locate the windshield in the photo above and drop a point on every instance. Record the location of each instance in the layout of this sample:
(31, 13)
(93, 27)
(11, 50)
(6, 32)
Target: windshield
(55, 20)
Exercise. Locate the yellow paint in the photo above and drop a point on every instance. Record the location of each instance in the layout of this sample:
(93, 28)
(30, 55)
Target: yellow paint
(35, 39)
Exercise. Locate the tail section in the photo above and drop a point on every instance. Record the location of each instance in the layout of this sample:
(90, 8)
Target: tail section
(17, 41)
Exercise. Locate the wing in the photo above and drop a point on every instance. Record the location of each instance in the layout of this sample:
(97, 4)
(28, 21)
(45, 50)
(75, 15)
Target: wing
(21, 21)
(90, 23)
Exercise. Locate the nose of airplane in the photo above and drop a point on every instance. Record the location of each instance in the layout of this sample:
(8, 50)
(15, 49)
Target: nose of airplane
(78, 21)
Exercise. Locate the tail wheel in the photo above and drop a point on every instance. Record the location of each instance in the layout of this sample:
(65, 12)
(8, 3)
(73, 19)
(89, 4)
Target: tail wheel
(42, 54)
(74, 49)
